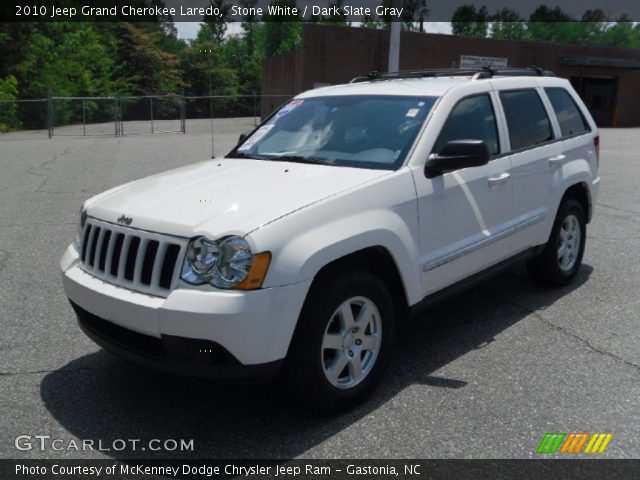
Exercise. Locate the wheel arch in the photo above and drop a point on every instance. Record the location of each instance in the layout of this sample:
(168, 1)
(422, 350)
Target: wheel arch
(381, 236)
(580, 192)
(376, 260)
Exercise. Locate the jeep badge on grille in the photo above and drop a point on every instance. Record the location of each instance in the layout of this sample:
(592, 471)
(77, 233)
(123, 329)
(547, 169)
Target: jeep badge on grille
(124, 220)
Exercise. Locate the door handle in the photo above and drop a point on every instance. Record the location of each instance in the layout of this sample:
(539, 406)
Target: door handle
(556, 160)
(502, 178)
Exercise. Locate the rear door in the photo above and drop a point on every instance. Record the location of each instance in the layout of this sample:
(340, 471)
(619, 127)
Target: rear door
(578, 135)
(536, 152)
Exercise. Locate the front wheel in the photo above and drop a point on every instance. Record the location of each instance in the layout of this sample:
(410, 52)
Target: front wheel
(561, 259)
(342, 342)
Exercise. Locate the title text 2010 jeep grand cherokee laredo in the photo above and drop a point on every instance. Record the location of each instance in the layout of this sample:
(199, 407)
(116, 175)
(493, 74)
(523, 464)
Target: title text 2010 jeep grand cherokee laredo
(331, 220)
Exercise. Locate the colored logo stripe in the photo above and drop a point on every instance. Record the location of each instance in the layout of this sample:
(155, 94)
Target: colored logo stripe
(550, 442)
(573, 443)
(598, 442)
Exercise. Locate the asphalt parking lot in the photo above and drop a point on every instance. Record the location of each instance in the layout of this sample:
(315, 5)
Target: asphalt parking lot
(484, 375)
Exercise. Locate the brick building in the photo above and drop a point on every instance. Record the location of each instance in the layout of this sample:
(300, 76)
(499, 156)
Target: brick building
(608, 79)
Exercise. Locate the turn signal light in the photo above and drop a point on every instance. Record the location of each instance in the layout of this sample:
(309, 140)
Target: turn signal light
(258, 272)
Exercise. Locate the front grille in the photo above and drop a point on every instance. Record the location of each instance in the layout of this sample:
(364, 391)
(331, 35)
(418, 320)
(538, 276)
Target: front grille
(135, 259)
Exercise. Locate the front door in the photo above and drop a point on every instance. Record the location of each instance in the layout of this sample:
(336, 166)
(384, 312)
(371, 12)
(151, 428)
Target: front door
(465, 215)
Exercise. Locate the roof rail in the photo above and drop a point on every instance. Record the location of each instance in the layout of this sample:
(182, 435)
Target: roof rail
(476, 73)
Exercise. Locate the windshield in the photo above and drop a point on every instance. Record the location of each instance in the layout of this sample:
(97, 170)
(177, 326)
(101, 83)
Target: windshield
(366, 131)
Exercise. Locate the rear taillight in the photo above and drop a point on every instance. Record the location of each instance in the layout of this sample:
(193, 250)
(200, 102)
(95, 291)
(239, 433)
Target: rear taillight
(596, 143)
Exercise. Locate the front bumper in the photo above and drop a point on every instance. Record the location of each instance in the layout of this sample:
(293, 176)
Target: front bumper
(213, 333)
(171, 354)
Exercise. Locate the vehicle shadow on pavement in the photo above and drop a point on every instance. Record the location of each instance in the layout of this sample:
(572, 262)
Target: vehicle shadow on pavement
(101, 398)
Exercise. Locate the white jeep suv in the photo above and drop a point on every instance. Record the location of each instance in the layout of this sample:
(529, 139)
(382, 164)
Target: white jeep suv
(345, 211)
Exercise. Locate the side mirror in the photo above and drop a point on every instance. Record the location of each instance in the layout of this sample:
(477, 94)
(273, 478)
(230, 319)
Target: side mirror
(243, 137)
(455, 155)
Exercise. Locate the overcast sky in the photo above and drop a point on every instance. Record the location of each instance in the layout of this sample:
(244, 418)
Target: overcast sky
(189, 30)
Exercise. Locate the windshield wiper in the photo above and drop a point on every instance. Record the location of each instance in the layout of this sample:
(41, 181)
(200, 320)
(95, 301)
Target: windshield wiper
(250, 156)
(298, 159)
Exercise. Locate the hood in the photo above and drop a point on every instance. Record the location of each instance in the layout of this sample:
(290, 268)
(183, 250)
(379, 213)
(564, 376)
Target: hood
(223, 196)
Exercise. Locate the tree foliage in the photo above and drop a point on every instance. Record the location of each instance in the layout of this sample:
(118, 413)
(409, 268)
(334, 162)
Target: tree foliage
(546, 24)
(8, 110)
(105, 58)
(72, 57)
(144, 66)
(470, 22)
(279, 33)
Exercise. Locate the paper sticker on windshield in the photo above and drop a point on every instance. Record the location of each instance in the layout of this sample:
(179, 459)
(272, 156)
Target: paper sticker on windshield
(289, 107)
(253, 139)
(412, 112)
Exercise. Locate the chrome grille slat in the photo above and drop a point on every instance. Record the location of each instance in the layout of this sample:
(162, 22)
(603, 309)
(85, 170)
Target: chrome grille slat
(123, 258)
(137, 269)
(117, 253)
(157, 263)
(109, 259)
(101, 241)
(102, 258)
(85, 241)
(98, 250)
(95, 231)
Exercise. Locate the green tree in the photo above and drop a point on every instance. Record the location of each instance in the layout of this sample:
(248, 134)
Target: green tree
(507, 24)
(8, 109)
(248, 26)
(236, 54)
(218, 24)
(469, 22)
(551, 25)
(143, 66)
(279, 33)
(14, 41)
(207, 66)
(66, 58)
(622, 34)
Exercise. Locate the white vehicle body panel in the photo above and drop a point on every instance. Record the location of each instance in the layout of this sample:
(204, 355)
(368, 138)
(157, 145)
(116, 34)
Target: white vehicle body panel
(254, 326)
(223, 196)
(438, 231)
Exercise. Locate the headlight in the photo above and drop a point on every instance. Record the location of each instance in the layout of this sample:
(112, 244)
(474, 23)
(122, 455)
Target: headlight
(77, 241)
(200, 261)
(235, 262)
(224, 263)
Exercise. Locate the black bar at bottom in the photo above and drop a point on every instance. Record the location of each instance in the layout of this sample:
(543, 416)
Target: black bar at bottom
(118, 469)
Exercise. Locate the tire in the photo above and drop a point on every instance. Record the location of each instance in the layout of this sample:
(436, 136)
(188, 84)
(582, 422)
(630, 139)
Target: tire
(321, 369)
(569, 233)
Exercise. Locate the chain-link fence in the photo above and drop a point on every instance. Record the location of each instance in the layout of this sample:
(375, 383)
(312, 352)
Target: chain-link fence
(127, 115)
(152, 114)
(25, 118)
(84, 116)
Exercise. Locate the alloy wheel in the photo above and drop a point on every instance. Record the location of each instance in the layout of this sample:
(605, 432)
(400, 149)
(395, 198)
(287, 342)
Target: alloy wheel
(568, 243)
(351, 342)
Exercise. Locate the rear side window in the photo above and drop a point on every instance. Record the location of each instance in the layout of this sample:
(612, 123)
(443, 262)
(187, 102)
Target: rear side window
(471, 119)
(570, 118)
(527, 119)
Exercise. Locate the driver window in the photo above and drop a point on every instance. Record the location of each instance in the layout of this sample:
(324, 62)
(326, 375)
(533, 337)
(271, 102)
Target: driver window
(471, 119)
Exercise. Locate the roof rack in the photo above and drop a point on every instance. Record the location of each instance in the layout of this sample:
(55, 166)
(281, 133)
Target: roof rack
(476, 73)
